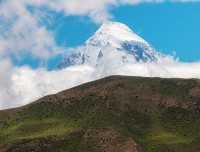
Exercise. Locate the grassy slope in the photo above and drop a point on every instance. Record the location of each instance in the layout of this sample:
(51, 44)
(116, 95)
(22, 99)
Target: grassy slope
(159, 114)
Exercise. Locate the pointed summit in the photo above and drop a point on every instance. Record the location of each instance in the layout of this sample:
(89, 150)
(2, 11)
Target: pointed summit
(119, 31)
(110, 26)
(114, 33)
(114, 41)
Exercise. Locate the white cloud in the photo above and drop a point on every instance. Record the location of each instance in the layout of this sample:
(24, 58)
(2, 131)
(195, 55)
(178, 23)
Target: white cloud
(23, 85)
(22, 31)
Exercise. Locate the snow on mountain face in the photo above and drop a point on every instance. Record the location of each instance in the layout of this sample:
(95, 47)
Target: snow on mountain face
(114, 42)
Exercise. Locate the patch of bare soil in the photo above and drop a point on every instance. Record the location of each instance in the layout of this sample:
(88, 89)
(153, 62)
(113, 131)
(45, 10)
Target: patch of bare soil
(107, 141)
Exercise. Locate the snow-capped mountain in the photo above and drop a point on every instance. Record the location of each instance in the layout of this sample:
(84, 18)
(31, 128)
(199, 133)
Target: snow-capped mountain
(115, 42)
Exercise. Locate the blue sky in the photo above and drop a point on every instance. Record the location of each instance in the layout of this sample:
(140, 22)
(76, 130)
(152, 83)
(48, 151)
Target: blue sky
(168, 26)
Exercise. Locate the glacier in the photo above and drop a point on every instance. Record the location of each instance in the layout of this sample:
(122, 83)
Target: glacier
(115, 42)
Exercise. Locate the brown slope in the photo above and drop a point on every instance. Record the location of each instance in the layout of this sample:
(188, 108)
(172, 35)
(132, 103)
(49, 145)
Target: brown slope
(120, 96)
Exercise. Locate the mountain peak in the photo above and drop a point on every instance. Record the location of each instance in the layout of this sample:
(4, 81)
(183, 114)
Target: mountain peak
(109, 24)
(114, 40)
(118, 31)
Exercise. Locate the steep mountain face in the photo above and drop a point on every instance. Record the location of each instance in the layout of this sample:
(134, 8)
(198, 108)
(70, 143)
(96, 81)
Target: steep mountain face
(114, 114)
(113, 41)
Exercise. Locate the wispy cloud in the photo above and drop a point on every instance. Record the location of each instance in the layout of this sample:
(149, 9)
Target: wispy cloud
(21, 32)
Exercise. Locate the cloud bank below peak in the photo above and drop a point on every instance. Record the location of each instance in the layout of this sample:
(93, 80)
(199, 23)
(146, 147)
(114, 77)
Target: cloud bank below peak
(22, 85)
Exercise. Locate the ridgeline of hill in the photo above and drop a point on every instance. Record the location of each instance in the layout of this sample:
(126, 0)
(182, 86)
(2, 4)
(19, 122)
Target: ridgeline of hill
(114, 114)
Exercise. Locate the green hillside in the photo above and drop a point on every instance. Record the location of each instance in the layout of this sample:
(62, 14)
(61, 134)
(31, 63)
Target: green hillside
(112, 114)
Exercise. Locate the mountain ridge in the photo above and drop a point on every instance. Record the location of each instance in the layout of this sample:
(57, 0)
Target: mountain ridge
(113, 40)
